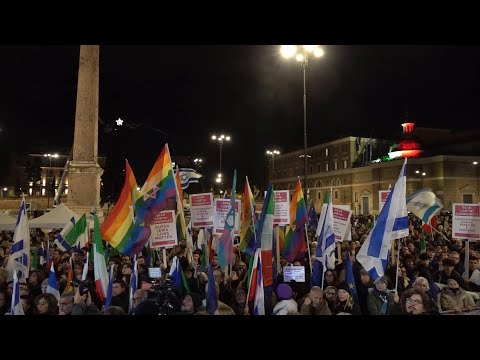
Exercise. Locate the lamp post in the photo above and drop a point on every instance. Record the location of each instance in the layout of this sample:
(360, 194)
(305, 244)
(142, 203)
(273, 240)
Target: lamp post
(478, 192)
(272, 153)
(197, 162)
(301, 55)
(220, 140)
(50, 156)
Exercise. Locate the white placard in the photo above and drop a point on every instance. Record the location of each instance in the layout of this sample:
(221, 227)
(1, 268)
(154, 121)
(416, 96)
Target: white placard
(163, 230)
(296, 273)
(281, 215)
(201, 210)
(466, 221)
(221, 207)
(341, 222)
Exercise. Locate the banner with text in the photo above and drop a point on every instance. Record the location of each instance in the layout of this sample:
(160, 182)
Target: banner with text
(163, 230)
(341, 222)
(201, 210)
(466, 221)
(221, 207)
(281, 215)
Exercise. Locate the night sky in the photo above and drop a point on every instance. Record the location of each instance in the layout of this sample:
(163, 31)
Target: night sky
(183, 94)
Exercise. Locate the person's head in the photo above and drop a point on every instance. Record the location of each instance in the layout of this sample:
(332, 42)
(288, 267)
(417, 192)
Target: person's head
(411, 247)
(126, 269)
(218, 275)
(343, 292)
(452, 284)
(191, 302)
(241, 269)
(3, 298)
(448, 265)
(23, 289)
(365, 276)
(330, 277)
(188, 273)
(118, 287)
(431, 252)
(424, 259)
(330, 293)
(473, 263)
(10, 288)
(240, 296)
(455, 256)
(66, 303)
(196, 255)
(415, 302)
(77, 269)
(408, 261)
(44, 285)
(139, 296)
(214, 260)
(126, 259)
(55, 255)
(140, 260)
(46, 304)
(421, 284)
(381, 283)
(114, 310)
(316, 296)
(35, 277)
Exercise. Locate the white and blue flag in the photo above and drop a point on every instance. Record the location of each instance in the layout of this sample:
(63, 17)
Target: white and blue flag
(19, 260)
(17, 308)
(60, 240)
(188, 176)
(392, 223)
(133, 283)
(325, 252)
(424, 204)
(52, 287)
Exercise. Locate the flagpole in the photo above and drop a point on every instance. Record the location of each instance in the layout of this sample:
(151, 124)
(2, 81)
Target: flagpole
(308, 248)
(467, 259)
(164, 253)
(277, 248)
(398, 262)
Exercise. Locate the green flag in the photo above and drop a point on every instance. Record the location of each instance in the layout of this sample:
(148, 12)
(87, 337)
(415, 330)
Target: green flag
(423, 244)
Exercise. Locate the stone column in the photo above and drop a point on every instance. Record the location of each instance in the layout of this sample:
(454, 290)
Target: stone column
(84, 170)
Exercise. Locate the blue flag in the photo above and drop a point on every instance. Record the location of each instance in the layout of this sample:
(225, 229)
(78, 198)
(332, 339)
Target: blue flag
(108, 301)
(212, 303)
(350, 279)
(312, 217)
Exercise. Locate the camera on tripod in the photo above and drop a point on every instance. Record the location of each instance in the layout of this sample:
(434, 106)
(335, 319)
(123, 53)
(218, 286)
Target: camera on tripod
(82, 285)
(165, 297)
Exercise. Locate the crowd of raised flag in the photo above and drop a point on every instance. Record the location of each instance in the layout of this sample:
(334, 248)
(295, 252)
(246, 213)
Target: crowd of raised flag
(388, 267)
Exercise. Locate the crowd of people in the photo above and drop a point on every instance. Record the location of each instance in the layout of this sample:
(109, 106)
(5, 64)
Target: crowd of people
(421, 279)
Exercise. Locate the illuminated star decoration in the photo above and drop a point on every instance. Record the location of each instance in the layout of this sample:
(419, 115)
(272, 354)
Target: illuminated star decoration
(119, 122)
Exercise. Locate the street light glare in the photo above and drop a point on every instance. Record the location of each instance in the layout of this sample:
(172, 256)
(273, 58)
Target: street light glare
(219, 175)
(218, 180)
(310, 48)
(288, 51)
(318, 52)
(213, 137)
(417, 171)
(227, 138)
(475, 163)
(299, 57)
(423, 174)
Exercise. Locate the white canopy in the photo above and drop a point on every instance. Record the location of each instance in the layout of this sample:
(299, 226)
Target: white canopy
(55, 219)
(7, 222)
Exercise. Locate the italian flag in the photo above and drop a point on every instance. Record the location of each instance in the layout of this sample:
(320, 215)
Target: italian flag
(266, 236)
(100, 268)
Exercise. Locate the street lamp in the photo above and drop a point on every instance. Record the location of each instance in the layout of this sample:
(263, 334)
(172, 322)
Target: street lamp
(421, 175)
(197, 162)
(301, 54)
(220, 140)
(476, 165)
(272, 153)
(50, 156)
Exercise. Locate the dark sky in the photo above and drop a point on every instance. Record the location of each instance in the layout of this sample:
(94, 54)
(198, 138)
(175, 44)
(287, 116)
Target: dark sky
(182, 94)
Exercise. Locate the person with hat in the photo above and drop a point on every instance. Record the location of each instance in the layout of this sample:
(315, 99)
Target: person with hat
(380, 301)
(345, 303)
(286, 303)
(363, 285)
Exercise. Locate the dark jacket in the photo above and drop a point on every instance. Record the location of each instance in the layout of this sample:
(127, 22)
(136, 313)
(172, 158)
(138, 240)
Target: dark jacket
(375, 301)
(82, 309)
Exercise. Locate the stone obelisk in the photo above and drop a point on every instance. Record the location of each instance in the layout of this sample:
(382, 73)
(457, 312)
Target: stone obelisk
(84, 170)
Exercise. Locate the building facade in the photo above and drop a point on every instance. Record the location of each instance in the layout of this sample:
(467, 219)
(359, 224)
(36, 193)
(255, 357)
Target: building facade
(352, 168)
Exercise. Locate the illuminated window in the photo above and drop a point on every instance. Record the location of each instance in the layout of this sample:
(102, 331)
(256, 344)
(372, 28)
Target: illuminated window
(336, 165)
(43, 192)
(344, 164)
(30, 191)
(326, 152)
(326, 167)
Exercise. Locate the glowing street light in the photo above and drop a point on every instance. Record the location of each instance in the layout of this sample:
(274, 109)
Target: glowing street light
(220, 139)
(301, 54)
(272, 153)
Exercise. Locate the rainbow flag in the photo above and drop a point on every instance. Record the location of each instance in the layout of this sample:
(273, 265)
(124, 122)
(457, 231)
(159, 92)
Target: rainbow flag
(294, 244)
(248, 222)
(181, 227)
(117, 229)
(225, 243)
(154, 196)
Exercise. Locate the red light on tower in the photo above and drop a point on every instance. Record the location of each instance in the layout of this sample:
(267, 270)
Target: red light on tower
(409, 146)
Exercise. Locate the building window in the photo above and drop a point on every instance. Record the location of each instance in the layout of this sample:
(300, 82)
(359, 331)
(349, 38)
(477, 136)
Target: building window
(326, 167)
(344, 148)
(319, 195)
(336, 194)
(310, 169)
(43, 192)
(326, 152)
(356, 197)
(344, 164)
(284, 173)
(319, 168)
(30, 191)
(336, 165)
(66, 192)
(291, 197)
(467, 198)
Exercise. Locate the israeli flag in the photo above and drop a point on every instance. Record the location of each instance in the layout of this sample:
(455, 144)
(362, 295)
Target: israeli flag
(392, 223)
(52, 287)
(133, 283)
(188, 176)
(17, 308)
(19, 260)
(325, 252)
(424, 204)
